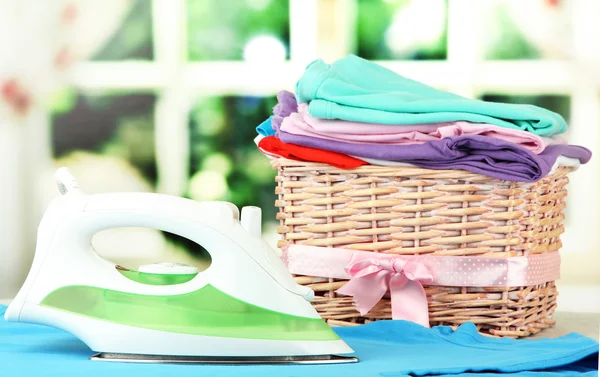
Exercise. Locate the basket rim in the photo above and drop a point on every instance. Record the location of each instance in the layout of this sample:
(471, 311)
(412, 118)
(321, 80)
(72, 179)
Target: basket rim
(295, 165)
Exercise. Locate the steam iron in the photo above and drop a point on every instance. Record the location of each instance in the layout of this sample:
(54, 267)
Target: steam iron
(245, 308)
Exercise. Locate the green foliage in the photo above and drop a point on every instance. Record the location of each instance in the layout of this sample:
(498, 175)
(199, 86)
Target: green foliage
(133, 39)
(218, 30)
(231, 151)
(503, 41)
(115, 125)
(62, 101)
(373, 20)
(556, 103)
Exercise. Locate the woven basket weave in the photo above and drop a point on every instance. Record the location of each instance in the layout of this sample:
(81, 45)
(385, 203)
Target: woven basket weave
(414, 211)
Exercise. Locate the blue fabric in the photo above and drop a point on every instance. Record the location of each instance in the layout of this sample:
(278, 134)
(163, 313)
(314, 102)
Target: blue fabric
(265, 128)
(386, 348)
(584, 368)
(358, 90)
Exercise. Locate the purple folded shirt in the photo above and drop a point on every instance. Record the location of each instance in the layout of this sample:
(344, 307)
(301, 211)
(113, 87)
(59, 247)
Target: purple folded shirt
(286, 104)
(479, 154)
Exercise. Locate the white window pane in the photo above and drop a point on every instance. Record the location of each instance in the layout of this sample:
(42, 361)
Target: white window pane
(511, 32)
(107, 136)
(133, 38)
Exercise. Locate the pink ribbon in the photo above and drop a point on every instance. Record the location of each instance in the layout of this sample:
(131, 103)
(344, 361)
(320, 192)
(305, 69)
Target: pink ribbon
(371, 278)
(451, 271)
(372, 274)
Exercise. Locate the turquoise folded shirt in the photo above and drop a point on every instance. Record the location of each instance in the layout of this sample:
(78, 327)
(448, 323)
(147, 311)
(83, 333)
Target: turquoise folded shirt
(356, 89)
(385, 348)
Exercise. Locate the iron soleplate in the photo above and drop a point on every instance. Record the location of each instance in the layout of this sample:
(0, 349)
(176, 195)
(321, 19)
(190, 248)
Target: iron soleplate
(165, 359)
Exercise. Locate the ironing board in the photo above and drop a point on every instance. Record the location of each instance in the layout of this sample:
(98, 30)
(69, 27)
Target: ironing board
(587, 324)
(463, 350)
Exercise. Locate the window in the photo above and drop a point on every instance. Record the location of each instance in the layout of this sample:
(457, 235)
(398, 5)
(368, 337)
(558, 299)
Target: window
(235, 30)
(401, 30)
(194, 78)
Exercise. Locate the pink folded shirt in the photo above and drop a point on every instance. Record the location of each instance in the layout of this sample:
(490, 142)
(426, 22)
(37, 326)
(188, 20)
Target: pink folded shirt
(302, 123)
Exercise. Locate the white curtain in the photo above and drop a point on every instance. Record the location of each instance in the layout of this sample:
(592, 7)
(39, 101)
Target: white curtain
(39, 42)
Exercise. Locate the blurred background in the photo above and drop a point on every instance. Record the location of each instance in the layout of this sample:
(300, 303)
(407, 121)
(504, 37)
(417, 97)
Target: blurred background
(164, 96)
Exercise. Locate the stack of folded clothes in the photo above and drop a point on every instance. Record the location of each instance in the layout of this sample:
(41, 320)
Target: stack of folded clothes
(354, 112)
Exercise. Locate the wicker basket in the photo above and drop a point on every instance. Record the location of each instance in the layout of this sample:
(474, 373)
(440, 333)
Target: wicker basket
(414, 211)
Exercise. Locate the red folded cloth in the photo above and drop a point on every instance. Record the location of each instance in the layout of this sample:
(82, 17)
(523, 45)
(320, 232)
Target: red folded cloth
(271, 145)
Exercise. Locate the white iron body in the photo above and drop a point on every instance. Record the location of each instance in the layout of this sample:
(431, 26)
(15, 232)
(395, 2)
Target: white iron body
(243, 266)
